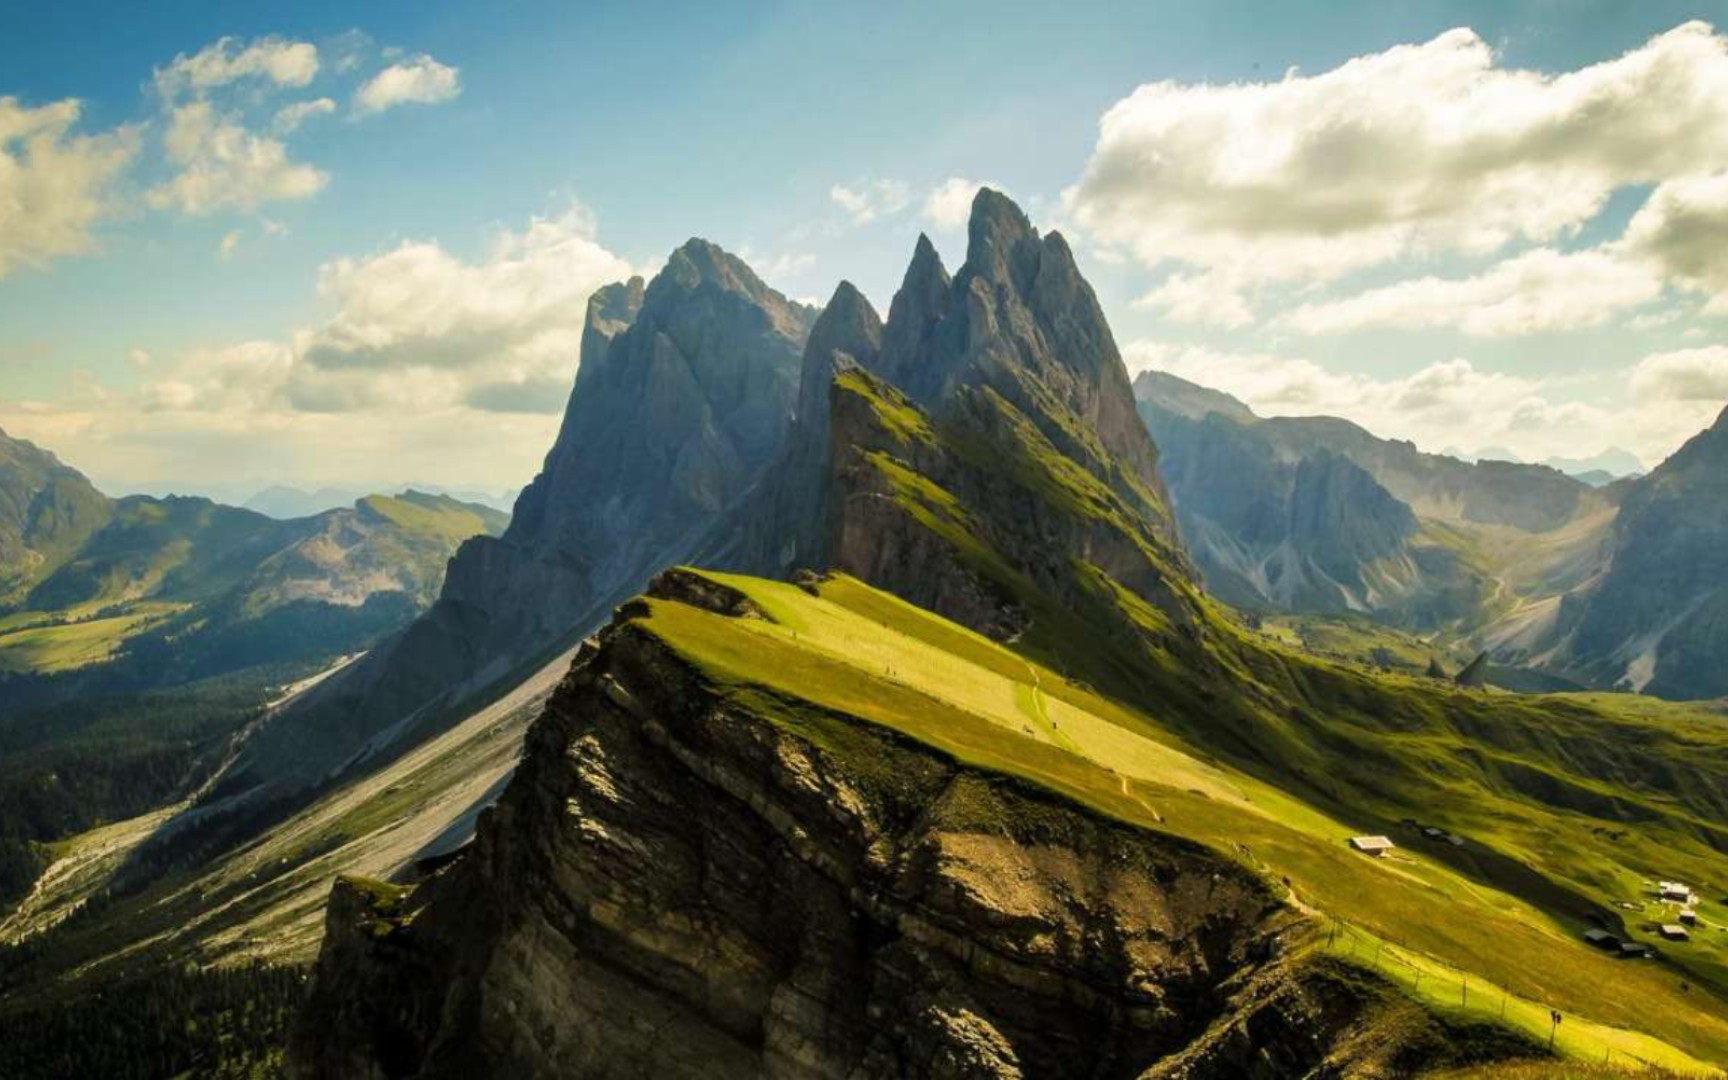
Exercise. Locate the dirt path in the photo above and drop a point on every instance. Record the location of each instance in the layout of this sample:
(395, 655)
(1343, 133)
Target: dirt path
(1129, 793)
(1041, 712)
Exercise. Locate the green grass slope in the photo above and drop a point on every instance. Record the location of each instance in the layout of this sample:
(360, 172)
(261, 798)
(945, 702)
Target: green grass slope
(856, 651)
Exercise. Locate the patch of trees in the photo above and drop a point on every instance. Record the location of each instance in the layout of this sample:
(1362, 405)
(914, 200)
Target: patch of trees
(219, 1023)
(71, 767)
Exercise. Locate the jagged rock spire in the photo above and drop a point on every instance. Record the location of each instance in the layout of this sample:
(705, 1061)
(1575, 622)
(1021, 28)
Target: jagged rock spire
(921, 304)
(847, 328)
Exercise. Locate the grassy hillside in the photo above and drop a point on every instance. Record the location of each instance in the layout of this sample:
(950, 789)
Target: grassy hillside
(856, 651)
(47, 510)
(439, 516)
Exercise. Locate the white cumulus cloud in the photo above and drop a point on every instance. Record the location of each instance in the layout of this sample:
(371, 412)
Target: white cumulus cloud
(274, 60)
(427, 363)
(1683, 227)
(868, 200)
(54, 185)
(1539, 290)
(419, 320)
(419, 80)
(1409, 152)
(1203, 299)
(224, 165)
(290, 117)
(1688, 375)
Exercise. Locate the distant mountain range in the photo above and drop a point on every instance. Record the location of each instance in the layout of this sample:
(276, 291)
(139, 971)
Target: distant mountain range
(89, 585)
(1604, 582)
(1315, 514)
(284, 502)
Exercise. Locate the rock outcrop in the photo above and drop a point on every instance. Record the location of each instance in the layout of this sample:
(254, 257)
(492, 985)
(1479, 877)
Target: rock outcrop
(676, 885)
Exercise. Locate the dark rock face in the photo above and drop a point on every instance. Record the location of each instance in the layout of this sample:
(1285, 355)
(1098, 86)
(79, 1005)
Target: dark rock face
(684, 397)
(1657, 620)
(783, 525)
(675, 888)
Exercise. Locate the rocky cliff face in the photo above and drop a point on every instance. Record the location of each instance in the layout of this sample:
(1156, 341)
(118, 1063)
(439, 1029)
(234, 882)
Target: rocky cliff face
(784, 525)
(676, 885)
(1657, 621)
(684, 396)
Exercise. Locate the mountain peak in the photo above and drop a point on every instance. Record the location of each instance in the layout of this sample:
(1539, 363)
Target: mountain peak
(849, 327)
(848, 323)
(925, 269)
(1177, 395)
(698, 261)
(994, 234)
(921, 302)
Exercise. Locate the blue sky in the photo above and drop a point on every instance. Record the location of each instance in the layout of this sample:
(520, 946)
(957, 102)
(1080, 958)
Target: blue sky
(366, 298)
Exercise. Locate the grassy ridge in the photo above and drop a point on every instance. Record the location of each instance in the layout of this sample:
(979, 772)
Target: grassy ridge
(863, 653)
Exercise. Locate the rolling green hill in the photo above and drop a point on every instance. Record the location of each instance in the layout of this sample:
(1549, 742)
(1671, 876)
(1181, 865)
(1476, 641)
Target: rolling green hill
(230, 587)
